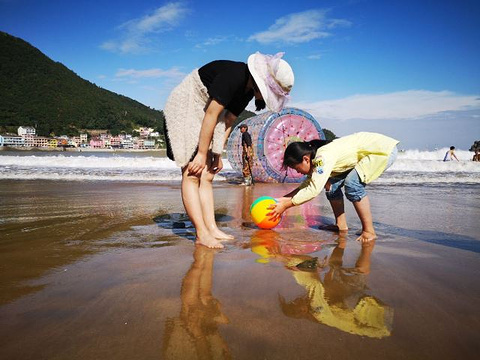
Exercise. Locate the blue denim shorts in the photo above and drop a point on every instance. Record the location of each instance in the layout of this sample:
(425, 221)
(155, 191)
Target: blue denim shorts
(354, 187)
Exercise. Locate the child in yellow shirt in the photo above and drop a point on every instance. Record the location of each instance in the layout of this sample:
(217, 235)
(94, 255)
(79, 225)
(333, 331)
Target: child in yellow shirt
(350, 162)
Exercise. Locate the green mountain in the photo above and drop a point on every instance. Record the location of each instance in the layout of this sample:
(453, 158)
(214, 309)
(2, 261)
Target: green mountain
(37, 91)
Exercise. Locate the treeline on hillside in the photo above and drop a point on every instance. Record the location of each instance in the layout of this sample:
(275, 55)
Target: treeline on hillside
(36, 91)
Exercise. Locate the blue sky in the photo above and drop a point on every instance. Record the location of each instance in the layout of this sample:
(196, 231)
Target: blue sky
(409, 69)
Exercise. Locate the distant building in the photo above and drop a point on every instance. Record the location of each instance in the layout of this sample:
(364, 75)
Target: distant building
(52, 143)
(116, 141)
(96, 143)
(29, 140)
(62, 141)
(40, 141)
(144, 131)
(75, 141)
(149, 144)
(127, 143)
(11, 140)
(26, 130)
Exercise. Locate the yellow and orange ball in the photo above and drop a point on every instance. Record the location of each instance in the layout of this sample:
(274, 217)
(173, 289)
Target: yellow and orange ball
(259, 210)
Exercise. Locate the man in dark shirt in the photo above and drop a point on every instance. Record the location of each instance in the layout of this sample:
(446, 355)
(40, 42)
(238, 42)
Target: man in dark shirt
(247, 155)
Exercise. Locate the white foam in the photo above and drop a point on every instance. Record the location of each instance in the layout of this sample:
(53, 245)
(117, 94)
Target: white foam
(438, 154)
(412, 166)
(87, 162)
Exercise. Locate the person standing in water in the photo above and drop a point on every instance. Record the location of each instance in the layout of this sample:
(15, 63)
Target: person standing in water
(199, 114)
(450, 154)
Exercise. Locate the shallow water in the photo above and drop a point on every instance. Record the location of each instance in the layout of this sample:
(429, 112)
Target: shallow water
(412, 167)
(110, 270)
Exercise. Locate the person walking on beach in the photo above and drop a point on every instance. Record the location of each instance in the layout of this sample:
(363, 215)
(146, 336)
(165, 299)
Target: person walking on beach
(450, 154)
(351, 162)
(247, 155)
(199, 115)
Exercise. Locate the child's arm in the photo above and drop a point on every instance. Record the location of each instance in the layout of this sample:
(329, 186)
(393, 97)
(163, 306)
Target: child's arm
(315, 184)
(309, 189)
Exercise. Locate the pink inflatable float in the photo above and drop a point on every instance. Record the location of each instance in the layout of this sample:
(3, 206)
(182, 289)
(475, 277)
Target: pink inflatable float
(271, 133)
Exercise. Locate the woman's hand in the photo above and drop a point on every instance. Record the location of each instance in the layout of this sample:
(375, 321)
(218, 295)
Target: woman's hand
(196, 166)
(276, 210)
(216, 165)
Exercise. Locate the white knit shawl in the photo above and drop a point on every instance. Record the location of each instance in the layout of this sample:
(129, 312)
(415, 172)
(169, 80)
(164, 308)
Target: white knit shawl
(184, 112)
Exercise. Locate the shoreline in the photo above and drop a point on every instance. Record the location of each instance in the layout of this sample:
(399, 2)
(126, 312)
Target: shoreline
(33, 149)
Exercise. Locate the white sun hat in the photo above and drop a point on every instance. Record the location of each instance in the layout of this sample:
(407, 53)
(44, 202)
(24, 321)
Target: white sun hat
(274, 78)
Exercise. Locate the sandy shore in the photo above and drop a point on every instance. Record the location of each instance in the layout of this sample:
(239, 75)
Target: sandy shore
(110, 271)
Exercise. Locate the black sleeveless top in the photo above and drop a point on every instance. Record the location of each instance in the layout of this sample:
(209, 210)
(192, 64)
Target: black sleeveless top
(225, 81)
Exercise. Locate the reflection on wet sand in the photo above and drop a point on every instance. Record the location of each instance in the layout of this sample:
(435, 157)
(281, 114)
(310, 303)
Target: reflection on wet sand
(194, 334)
(340, 300)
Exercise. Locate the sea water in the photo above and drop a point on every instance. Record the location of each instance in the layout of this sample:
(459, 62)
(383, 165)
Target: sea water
(411, 167)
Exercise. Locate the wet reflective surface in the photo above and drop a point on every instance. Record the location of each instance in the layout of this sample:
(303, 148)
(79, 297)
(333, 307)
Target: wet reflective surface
(103, 270)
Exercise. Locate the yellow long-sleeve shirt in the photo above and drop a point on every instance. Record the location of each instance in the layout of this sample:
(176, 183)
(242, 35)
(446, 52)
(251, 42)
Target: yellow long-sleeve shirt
(365, 152)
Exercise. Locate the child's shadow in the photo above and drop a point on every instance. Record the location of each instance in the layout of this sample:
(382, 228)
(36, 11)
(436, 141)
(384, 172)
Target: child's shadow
(180, 224)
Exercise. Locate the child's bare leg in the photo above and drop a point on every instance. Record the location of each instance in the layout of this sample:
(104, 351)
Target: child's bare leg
(206, 198)
(363, 210)
(338, 208)
(192, 202)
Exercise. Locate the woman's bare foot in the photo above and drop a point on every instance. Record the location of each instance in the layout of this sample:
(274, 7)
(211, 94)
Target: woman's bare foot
(366, 237)
(332, 227)
(220, 235)
(209, 241)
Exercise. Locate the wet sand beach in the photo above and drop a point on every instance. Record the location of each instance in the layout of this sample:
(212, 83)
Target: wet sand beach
(109, 270)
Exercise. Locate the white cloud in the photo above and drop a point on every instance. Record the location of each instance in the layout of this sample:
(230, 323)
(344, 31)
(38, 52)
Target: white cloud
(411, 104)
(212, 41)
(314, 57)
(136, 32)
(161, 19)
(299, 28)
(149, 73)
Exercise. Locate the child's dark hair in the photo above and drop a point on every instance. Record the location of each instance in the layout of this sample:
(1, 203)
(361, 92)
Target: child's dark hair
(297, 150)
